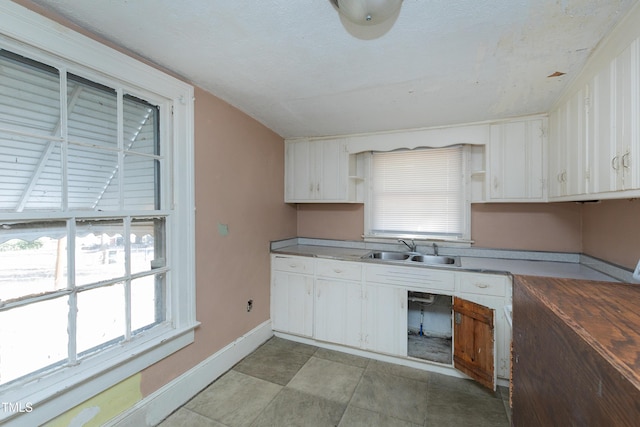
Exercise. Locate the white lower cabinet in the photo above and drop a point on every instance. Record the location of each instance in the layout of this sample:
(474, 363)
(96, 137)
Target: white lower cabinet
(365, 306)
(338, 308)
(338, 312)
(349, 312)
(292, 284)
(385, 319)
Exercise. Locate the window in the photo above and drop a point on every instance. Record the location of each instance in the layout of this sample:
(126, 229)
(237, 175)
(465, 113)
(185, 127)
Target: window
(96, 228)
(419, 193)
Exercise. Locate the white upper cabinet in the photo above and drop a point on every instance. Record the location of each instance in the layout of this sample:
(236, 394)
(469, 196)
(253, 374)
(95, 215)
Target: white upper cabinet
(601, 132)
(613, 124)
(321, 171)
(567, 152)
(516, 161)
(594, 139)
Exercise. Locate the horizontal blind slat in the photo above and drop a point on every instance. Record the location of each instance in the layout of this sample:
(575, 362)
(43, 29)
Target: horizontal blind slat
(418, 191)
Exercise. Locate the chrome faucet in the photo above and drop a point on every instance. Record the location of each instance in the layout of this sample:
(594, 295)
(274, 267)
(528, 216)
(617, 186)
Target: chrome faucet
(435, 249)
(412, 247)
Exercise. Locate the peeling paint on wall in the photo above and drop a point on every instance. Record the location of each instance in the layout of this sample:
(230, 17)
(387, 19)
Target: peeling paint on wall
(102, 407)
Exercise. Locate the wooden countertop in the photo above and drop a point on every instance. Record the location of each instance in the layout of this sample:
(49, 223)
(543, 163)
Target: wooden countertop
(606, 316)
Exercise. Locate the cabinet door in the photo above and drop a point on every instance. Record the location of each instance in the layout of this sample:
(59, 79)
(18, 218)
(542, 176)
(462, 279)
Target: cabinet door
(316, 171)
(331, 163)
(300, 180)
(385, 319)
(474, 341)
(614, 140)
(576, 142)
(516, 165)
(626, 117)
(292, 303)
(338, 312)
(602, 149)
(567, 155)
(557, 154)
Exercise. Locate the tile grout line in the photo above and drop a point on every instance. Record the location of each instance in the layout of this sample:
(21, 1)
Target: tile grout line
(282, 387)
(346, 408)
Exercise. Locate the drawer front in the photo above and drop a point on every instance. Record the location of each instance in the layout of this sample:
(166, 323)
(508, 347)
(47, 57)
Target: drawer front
(483, 284)
(293, 264)
(416, 277)
(339, 269)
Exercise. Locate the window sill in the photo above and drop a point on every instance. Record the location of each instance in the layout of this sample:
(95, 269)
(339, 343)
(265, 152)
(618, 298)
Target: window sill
(54, 394)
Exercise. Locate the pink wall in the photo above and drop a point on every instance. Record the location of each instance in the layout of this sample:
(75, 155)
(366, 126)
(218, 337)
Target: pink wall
(611, 231)
(331, 221)
(538, 227)
(527, 226)
(239, 182)
(608, 230)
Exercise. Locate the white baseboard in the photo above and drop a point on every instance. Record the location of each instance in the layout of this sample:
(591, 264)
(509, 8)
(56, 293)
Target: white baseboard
(160, 404)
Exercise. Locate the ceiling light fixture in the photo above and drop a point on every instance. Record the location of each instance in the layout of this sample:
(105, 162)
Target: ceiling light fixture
(367, 12)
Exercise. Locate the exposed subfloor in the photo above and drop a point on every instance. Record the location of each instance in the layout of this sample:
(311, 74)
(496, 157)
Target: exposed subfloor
(435, 349)
(284, 383)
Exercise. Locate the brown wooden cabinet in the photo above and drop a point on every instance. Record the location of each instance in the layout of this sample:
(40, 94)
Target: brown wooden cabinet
(474, 341)
(576, 353)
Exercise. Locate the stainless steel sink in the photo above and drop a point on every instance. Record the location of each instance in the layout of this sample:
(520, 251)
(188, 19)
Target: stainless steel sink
(433, 259)
(410, 257)
(391, 256)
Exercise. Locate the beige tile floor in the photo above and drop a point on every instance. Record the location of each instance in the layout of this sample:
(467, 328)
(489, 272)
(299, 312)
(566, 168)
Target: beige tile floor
(284, 383)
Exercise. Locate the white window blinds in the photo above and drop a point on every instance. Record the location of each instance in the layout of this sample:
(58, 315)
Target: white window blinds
(418, 193)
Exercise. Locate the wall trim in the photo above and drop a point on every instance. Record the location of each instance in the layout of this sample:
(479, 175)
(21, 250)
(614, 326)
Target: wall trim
(157, 406)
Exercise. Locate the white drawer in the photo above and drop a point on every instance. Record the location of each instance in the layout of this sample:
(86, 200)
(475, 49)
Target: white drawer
(415, 277)
(483, 284)
(339, 269)
(293, 264)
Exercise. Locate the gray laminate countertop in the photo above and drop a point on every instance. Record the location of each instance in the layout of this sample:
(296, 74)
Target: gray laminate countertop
(571, 270)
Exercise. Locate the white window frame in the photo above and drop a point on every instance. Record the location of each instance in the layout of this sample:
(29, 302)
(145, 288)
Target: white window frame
(32, 35)
(465, 239)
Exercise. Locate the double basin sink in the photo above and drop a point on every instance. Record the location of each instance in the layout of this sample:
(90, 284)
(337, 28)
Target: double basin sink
(413, 257)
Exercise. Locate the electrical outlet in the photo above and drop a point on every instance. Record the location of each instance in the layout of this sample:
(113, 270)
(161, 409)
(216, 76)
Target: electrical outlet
(249, 305)
(636, 273)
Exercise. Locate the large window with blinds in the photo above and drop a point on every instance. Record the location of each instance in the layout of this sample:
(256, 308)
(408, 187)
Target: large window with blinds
(83, 162)
(420, 193)
(96, 225)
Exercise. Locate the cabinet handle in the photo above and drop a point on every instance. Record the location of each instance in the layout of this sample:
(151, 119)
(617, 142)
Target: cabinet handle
(318, 187)
(337, 270)
(482, 285)
(625, 160)
(615, 164)
(495, 182)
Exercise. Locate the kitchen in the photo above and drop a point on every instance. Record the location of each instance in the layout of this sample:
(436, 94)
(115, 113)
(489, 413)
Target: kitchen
(235, 154)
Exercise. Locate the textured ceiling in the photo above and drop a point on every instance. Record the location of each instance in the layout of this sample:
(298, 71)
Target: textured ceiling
(299, 69)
